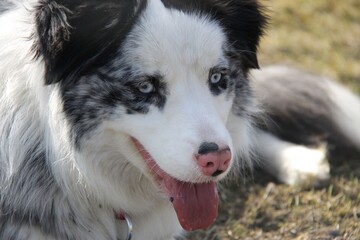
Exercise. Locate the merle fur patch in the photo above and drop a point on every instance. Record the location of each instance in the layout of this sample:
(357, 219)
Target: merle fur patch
(95, 98)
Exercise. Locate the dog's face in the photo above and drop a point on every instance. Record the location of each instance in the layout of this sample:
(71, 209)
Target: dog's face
(148, 88)
(180, 92)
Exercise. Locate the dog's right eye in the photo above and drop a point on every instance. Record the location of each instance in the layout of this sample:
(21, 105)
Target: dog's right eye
(215, 78)
(218, 80)
(146, 87)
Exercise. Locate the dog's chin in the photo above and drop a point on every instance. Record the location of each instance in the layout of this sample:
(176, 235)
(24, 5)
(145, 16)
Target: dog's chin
(196, 204)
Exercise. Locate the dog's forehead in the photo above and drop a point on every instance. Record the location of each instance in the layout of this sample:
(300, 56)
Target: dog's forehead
(166, 38)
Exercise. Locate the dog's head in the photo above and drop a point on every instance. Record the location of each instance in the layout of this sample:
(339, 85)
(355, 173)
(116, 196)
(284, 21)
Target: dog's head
(147, 88)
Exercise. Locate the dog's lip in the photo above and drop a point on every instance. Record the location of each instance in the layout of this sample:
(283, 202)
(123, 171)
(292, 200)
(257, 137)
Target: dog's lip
(196, 204)
(156, 171)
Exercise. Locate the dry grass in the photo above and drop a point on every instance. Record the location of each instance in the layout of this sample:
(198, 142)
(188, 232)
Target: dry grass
(322, 36)
(262, 209)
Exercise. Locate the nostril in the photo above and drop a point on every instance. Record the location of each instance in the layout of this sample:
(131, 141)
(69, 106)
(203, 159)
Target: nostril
(210, 164)
(207, 147)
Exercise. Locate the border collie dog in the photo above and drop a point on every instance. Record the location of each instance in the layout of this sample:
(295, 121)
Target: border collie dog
(118, 117)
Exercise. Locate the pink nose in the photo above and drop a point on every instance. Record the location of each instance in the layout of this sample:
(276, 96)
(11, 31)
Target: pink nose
(213, 161)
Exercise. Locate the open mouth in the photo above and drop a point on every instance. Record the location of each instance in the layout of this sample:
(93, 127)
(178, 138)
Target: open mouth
(196, 204)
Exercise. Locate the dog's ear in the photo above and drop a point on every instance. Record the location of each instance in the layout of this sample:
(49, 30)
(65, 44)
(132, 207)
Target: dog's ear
(75, 35)
(244, 22)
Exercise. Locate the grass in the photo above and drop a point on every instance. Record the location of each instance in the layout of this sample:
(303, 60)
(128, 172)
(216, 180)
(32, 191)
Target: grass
(322, 36)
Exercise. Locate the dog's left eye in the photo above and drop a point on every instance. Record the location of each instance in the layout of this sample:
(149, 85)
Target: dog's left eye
(215, 78)
(218, 80)
(146, 87)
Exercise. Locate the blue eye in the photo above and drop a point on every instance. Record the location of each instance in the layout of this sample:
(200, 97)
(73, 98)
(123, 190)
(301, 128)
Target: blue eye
(215, 78)
(146, 87)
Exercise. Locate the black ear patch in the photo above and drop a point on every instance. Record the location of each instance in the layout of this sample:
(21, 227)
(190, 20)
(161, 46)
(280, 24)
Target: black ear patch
(53, 29)
(74, 36)
(243, 20)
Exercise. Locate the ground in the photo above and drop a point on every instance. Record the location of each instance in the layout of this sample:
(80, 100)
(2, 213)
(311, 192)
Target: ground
(321, 36)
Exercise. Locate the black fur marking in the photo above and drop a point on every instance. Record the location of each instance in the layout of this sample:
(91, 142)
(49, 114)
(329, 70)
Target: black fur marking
(74, 38)
(97, 96)
(243, 20)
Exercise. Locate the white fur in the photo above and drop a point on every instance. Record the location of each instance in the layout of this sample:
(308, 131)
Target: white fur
(291, 163)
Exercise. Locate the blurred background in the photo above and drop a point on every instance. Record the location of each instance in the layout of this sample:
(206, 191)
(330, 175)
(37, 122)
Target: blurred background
(321, 36)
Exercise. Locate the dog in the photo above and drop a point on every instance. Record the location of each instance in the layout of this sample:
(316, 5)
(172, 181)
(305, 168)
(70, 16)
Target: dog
(119, 118)
(306, 113)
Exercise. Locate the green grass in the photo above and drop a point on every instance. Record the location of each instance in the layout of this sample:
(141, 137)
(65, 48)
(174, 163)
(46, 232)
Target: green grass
(322, 36)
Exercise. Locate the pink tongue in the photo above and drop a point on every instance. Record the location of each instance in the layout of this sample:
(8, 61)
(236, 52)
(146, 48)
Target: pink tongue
(196, 205)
